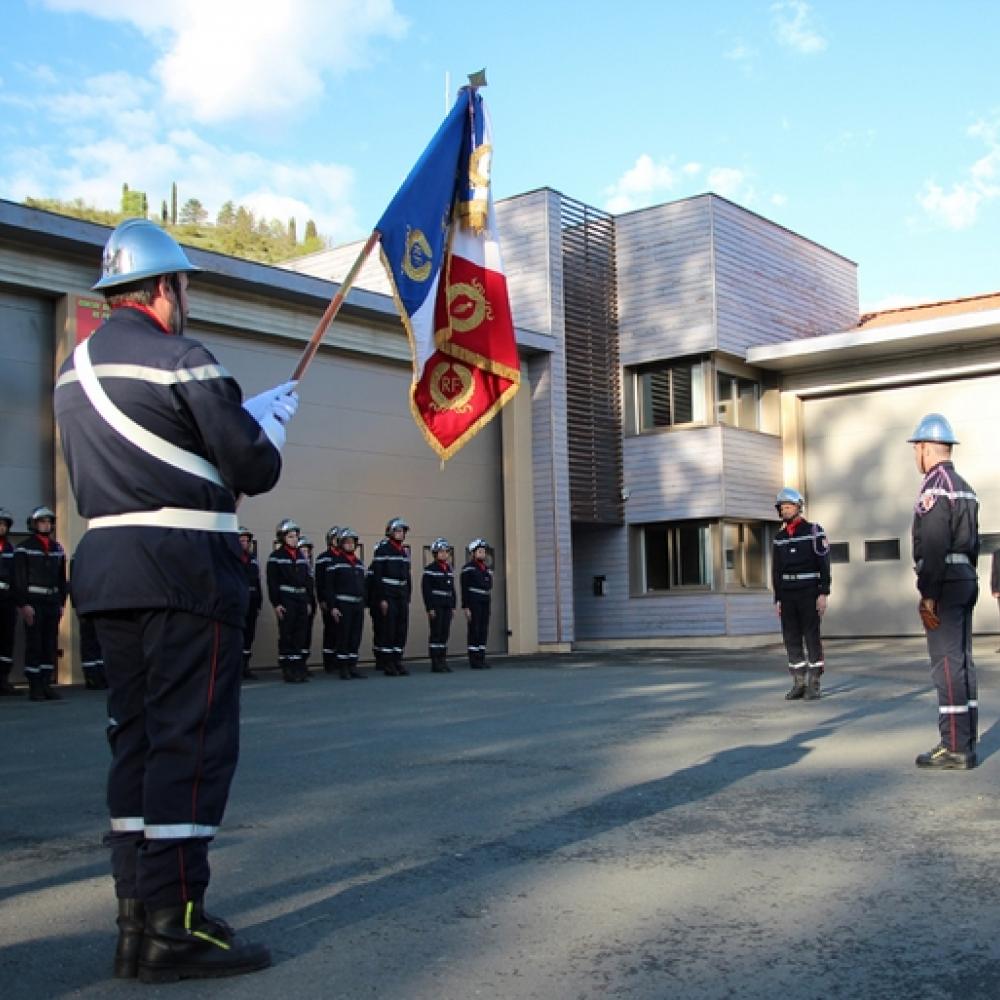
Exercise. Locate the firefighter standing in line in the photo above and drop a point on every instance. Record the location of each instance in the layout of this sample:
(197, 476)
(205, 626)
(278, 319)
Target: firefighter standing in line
(306, 548)
(323, 563)
(438, 589)
(251, 568)
(477, 590)
(343, 589)
(945, 550)
(800, 576)
(390, 585)
(40, 594)
(8, 609)
(159, 442)
(289, 583)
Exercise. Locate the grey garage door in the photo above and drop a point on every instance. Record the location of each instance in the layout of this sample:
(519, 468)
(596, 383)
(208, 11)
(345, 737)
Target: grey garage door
(26, 378)
(861, 482)
(355, 457)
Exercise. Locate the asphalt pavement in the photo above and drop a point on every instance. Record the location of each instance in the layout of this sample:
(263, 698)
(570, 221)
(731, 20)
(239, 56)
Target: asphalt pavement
(649, 824)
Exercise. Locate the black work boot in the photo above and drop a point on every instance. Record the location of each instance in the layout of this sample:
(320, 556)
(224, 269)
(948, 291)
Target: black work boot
(355, 673)
(183, 942)
(812, 684)
(943, 759)
(397, 662)
(131, 924)
(445, 669)
(436, 667)
(36, 689)
(798, 688)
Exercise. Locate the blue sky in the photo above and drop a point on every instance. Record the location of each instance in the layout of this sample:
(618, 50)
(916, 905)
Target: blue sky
(870, 127)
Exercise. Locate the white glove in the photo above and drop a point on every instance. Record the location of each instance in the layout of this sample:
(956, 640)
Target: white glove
(260, 406)
(273, 409)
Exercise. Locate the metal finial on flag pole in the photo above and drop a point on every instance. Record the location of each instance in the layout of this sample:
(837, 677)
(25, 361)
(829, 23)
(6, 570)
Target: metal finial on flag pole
(478, 79)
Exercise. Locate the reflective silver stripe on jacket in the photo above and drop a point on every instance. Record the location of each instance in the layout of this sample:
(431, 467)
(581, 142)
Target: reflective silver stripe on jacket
(441, 593)
(143, 373)
(349, 598)
(170, 517)
(958, 558)
(800, 576)
(138, 435)
(477, 590)
(43, 590)
(4, 586)
(395, 582)
(288, 589)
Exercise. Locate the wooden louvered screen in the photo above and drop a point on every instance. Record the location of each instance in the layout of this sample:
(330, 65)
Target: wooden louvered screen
(593, 370)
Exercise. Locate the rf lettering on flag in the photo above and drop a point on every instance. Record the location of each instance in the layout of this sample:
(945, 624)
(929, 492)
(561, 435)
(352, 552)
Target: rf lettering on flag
(439, 244)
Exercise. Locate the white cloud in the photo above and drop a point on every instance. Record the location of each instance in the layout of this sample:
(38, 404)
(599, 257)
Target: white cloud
(959, 206)
(231, 59)
(794, 27)
(644, 183)
(779, 200)
(94, 170)
(649, 181)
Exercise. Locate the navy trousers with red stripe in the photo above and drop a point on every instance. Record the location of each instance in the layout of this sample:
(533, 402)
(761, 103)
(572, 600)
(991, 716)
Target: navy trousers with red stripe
(952, 667)
(173, 708)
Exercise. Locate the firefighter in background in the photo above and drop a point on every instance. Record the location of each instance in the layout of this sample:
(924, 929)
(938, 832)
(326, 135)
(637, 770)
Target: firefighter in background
(40, 594)
(438, 589)
(477, 592)
(8, 609)
(158, 443)
(800, 576)
(289, 583)
(390, 585)
(323, 562)
(306, 548)
(945, 550)
(343, 590)
(251, 568)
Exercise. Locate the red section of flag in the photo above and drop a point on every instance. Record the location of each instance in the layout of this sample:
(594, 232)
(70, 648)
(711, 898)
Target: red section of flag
(453, 401)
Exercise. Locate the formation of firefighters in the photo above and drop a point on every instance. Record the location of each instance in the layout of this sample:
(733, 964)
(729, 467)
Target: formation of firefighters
(336, 584)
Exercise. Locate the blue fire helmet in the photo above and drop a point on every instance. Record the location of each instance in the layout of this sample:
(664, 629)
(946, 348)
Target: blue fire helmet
(394, 523)
(788, 495)
(140, 249)
(478, 543)
(440, 545)
(934, 428)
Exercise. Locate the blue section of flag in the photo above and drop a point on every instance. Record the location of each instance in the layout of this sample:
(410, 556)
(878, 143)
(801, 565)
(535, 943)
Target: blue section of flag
(423, 206)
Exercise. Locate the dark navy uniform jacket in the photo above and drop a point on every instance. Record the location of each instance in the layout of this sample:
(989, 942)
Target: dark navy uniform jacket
(289, 577)
(174, 388)
(477, 582)
(389, 573)
(437, 586)
(251, 569)
(800, 558)
(342, 581)
(945, 530)
(6, 570)
(39, 571)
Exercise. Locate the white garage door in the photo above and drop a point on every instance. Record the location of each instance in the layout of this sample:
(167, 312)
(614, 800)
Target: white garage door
(355, 457)
(861, 482)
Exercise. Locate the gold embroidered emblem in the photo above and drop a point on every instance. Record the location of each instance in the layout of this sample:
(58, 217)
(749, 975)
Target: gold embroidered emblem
(468, 305)
(418, 259)
(479, 165)
(451, 387)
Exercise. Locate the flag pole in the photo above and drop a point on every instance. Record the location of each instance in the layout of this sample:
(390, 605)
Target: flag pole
(333, 308)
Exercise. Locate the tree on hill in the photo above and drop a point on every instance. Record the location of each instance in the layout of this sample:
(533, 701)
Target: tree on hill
(236, 231)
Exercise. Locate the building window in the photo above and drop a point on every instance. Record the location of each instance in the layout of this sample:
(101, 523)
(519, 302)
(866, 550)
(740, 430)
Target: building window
(670, 394)
(676, 556)
(743, 554)
(840, 552)
(881, 549)
(738, 401)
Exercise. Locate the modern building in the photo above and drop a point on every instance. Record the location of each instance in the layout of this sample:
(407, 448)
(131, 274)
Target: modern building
(680, 364)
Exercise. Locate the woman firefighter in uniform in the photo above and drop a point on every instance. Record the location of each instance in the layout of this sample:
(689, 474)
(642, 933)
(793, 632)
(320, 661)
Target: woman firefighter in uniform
(477, 591)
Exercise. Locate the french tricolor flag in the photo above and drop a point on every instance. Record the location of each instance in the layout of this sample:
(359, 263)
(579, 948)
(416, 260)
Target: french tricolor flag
(440, 247)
